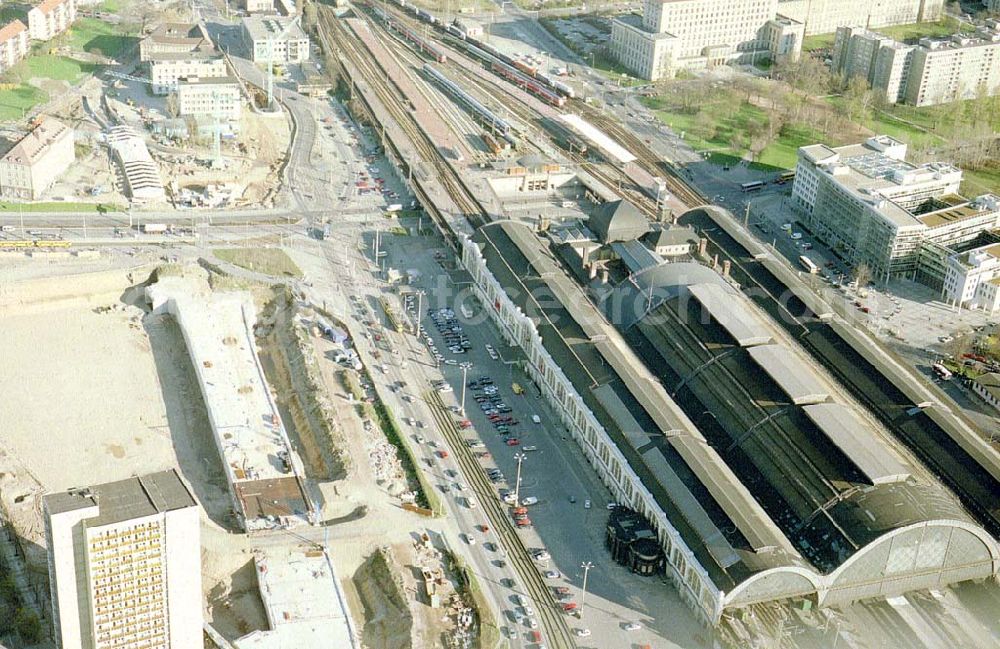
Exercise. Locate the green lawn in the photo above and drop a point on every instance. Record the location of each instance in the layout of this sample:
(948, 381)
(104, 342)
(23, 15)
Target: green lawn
(51, 66)
(97, 36)
(712, 127)
(14, 103)
(114, 6)
(913, 33)
(817, 42)
(981, 181)
(58, 206)
(783, 152)
(269, 261)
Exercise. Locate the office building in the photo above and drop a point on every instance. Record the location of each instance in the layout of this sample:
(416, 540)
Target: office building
(210, 96)
(50, 18)
(44, 154)
(935, 71)
(125, 565)
(825, 16)
(689, 34)
(282, 7)
(873, 207)
(13, 44)
(275, 39)
(176, 38)
(174, 51)
(972, 279)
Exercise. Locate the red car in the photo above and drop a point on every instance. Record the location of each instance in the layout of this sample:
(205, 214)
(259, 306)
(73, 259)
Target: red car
(524, 522)
(465, 423)
(536, 636)
(569, 607)
(442, 454)
(513, 441)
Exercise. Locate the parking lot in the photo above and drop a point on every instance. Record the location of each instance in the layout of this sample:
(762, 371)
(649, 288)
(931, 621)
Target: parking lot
(564, 506)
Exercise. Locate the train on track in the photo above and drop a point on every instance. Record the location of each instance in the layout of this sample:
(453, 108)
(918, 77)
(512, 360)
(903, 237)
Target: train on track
(421, 44)
(545, 82)
(496, 124)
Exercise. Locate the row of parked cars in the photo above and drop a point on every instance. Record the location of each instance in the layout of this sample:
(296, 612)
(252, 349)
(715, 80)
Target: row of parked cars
(451, 330)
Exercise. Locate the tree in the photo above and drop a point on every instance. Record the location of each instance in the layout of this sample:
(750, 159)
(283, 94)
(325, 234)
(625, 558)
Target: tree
(28, 626)
(862, 274)
(173, 105)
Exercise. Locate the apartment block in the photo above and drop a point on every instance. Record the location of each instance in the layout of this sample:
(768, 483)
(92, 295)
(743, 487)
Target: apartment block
(210, 96)
(275, 39)
(50, 18)
(873, 207)
(691, 34)
(125, 564)
(13, 44)
(35, 162)
(935, 71)
(825, 16)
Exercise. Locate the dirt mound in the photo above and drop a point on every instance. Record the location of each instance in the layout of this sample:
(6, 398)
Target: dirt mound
(388, 620)
(301, 392)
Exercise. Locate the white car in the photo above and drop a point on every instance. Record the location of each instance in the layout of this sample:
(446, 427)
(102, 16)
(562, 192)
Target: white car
(529, 611)
(796, 236)
(510, 498)
(530, 500)
(633, 626)
(542, 555)
(586, 504)
(533, 623)
(529, 448)
(552, 574)
(582, 633)
(471, 540)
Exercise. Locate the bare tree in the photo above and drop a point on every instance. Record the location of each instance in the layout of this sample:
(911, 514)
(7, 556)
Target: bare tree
(862, 274)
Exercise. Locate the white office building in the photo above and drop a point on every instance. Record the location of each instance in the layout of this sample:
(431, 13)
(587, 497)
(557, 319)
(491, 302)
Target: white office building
(689, 34)
(125, 565)
(275, 39)
(217, 97)
(873, 207)
(825, 16)
(972, 279)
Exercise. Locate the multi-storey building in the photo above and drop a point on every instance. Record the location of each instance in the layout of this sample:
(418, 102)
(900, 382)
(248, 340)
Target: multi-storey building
(13, 44)
(125, 565)
(873, 207)
(50, 18)
(167, 70)
(825, 16)
(210, 96)
(283, 7)
(972, 278)
(935, 71)
(35, 162)
(676, 34)
(275, 39)
(175, 51)
(176, 38)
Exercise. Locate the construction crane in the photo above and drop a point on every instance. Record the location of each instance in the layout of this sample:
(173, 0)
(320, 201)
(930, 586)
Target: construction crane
(216, 108)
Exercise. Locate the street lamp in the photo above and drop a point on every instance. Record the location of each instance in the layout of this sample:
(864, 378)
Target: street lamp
(586, 565)
(416, 318)
(466, 366)
(520, 457)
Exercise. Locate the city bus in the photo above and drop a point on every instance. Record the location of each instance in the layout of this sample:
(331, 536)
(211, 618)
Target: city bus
(752, 187)
(808, 264)
(785, 177)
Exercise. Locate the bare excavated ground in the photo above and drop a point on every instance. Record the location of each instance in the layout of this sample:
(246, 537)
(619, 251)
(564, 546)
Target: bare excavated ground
(95, 389)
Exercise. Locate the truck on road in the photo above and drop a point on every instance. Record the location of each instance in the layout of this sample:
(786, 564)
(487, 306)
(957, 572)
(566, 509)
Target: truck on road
(155, 228)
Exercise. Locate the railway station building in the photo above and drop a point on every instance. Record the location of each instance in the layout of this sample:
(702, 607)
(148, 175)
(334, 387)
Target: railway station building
(759, 478)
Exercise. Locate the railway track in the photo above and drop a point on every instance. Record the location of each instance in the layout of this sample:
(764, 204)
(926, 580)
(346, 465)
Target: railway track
(552, 619)
(376, 77)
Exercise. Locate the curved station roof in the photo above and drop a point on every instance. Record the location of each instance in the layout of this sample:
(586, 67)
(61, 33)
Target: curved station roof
(780, 486)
